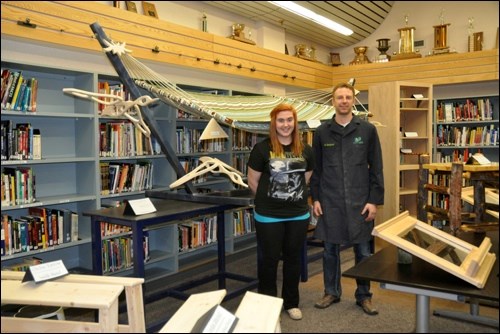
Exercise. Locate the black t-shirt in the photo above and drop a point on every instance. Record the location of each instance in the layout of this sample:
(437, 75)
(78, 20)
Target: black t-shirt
(282, 191)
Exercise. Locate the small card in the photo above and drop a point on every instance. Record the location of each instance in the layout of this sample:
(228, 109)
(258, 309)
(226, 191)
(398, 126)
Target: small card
(45, 271)
(478, 159)
(313, 123)
(139, 207)
(417, 96)
(216, 320)
(411, 134)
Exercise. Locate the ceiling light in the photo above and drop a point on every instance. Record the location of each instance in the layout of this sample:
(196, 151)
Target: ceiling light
(310, 15)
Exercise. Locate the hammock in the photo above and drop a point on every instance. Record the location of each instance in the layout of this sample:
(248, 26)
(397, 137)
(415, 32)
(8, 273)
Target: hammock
(249, 113)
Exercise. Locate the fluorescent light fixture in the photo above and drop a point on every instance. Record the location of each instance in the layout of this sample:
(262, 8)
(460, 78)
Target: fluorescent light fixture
(310, 15)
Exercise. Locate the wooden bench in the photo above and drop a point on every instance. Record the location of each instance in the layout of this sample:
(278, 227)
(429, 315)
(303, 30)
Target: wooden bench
(256, 313)
(133, 295)
(103, 297)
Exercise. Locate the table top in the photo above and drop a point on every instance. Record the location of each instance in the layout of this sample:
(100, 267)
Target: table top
(383, 267)
(165, 209)
(446, 166)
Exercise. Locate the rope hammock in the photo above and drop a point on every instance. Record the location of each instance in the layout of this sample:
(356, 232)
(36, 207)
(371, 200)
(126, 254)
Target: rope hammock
(249, 113)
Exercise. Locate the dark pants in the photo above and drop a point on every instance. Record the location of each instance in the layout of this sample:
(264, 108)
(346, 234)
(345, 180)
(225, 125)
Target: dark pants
(275, 241)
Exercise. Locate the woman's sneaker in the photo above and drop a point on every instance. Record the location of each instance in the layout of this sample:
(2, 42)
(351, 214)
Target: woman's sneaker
(294, 313)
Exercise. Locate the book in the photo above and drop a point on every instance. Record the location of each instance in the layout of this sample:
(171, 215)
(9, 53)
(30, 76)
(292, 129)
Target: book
(37, 144)
(74, 226)
(42, 214)
(15, 94)
(20, 95)
(11, 89)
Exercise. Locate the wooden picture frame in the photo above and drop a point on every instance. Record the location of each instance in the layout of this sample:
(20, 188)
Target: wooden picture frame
(458, 257)
(131, 7)
(149, 9)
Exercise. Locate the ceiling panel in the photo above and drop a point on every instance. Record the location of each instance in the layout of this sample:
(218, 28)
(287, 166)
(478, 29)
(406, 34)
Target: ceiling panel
(363, 17)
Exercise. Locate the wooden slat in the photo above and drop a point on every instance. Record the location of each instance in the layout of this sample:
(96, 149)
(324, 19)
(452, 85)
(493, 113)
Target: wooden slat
(67, 23)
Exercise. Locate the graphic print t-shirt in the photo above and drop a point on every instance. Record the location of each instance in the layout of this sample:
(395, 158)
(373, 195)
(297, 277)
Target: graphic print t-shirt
(282, 190)
(286, 181)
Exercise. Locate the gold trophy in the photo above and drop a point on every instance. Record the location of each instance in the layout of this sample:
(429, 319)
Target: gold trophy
(406, 43)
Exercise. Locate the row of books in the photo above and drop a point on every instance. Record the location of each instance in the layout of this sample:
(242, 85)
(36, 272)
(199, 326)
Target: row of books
(18, 186)
(109, 229)
(18, 92)
(24, 264)
(467, 136)
(188, 141)
(118, 178)
(243, 140)
(197, 233)
(117, 253)
(470, 110)
(124, 139)
(116, 89)
(20, 141)
(41, 228)
(457, 155)
(243, 222)
(181, 114)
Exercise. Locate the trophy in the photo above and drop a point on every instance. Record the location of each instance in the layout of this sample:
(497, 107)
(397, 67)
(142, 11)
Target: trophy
(383, 46)
(441, 37)
(406, 43)
(360, 57)
(238, 33)
(475, 38)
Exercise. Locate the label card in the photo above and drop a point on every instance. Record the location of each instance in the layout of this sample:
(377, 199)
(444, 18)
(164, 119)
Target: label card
(411, 134)
(139, 207)
(45, 271)
(313, 123)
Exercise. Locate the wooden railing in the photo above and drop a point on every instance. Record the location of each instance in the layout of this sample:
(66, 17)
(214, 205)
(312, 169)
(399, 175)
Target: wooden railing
(66, 23)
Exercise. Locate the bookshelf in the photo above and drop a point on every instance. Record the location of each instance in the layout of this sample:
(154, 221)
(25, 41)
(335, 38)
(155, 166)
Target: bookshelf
(69, 174)
(464, 126)
(404, 109)
(66, 173)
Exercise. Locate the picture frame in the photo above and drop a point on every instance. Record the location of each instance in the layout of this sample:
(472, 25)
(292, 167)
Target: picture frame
(335, 59)
(131, 7)
(458, 257)
(149, 9)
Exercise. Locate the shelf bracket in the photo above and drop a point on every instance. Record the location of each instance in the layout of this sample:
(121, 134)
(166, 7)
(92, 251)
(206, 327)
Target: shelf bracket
(26, 23)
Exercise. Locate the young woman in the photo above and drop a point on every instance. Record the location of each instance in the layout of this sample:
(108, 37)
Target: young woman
(279, 169)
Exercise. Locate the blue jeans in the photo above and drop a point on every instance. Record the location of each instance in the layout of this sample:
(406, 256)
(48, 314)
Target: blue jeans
(332, 272)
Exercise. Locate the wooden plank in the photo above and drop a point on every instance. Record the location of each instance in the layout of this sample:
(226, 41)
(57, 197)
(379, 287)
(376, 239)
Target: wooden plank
(66, 23)
(193, 308)
(258, 313)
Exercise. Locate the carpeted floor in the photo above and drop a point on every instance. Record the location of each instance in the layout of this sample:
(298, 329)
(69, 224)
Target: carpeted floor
(396, 310)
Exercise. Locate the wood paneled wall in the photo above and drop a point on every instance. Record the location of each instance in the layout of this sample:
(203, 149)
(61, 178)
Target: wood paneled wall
(66, 23)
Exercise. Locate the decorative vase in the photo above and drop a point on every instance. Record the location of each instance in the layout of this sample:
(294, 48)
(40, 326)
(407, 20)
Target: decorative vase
(383, 46)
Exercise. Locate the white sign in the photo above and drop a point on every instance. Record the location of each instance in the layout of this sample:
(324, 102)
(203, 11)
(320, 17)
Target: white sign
(141, 206)
(45, 271)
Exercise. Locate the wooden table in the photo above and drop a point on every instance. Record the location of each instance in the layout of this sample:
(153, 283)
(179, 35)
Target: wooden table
(103, 297)
(479, 175)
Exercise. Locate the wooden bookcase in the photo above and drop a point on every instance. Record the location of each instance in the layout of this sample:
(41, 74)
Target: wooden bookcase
(477, 117)
(69, 174)
(404, 109)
